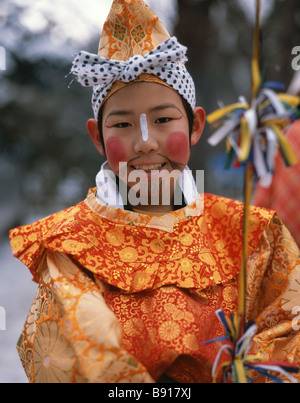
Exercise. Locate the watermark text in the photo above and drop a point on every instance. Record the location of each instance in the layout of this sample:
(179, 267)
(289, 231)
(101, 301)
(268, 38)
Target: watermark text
(296, 59)
(2, 318)
(149, 188)
(2, 58)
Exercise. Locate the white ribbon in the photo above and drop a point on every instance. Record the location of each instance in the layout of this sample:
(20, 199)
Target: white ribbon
(263, 138)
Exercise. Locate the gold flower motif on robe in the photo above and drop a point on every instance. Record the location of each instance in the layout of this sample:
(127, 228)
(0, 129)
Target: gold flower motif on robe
(53, 356)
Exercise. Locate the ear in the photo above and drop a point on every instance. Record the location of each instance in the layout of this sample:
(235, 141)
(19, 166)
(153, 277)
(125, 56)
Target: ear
(92, 126)
(198, 126)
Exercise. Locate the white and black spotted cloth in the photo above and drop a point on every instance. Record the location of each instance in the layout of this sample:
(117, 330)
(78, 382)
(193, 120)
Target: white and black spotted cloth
(166, 62)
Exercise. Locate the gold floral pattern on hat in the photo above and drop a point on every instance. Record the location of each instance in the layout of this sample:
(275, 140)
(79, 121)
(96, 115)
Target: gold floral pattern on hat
(131, 28)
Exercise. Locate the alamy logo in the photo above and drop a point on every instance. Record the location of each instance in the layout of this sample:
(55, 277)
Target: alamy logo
(144, 188)
(2, 318)
(296, 60)
(2, 58)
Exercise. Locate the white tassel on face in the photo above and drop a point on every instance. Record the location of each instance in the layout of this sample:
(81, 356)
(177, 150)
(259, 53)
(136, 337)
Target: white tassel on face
(144, 127)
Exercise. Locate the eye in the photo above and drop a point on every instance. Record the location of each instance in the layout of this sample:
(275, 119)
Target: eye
(122, 125)
(163, 120)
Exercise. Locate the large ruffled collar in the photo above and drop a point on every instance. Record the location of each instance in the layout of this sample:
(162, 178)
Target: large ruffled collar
(199, 252)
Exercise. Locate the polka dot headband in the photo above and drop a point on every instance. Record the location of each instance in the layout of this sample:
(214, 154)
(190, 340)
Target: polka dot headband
(166, 62)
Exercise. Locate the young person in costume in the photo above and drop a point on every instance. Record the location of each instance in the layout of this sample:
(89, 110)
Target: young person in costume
(128, 292)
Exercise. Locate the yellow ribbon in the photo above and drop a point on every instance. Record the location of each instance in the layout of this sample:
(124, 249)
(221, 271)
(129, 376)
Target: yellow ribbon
(285, 145)
(292, 100)
(256, 75)
(220, 113)
(241, 376)
(245, 140)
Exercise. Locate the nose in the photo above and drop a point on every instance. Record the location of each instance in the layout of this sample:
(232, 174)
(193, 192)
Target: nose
(146, 145)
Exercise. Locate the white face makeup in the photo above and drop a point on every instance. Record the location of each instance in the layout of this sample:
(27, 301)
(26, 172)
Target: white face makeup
(144, 127)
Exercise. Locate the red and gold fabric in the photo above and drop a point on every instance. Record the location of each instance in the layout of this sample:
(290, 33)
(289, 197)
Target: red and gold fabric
(131, 28)
(134, 47)
(124, 297)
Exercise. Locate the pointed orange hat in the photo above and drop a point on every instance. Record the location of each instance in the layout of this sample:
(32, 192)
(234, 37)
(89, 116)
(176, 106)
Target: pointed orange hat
(134, 46)
(131, 28)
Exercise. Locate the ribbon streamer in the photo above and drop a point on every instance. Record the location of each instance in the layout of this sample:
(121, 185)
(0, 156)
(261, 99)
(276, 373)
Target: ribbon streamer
(251, 128)
(239, 365)
(252, 131)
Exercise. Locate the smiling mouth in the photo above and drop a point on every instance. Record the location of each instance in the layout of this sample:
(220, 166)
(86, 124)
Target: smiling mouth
(148, 168)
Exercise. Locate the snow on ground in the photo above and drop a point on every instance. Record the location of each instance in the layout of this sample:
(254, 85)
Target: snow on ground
(17, 292)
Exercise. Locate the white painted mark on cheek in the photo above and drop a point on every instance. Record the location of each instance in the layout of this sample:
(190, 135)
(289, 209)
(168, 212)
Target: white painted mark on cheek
(144, 127)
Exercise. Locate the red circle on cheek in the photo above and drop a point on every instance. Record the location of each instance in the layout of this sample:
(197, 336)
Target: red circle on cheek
(177, 147)
(115, 151)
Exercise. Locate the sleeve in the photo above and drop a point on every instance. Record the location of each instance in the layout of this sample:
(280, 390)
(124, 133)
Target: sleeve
(274, 295)
(70, 335)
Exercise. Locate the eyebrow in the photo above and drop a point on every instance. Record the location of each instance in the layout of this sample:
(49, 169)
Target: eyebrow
(165, 106)
(118, 113)
(155, 109)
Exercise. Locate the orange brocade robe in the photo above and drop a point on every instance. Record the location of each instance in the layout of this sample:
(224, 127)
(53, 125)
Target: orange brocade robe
(125, 297)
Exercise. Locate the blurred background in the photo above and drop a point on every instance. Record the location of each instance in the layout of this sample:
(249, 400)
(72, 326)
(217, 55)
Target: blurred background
(47, 161)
